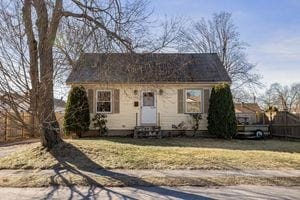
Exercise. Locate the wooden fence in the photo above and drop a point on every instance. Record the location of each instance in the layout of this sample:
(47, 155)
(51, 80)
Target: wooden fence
(286, 131)
(297, 115)
(11, 129)
(285, 125)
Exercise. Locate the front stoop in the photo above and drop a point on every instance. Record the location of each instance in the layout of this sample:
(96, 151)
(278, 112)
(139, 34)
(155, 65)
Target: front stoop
(147, 131)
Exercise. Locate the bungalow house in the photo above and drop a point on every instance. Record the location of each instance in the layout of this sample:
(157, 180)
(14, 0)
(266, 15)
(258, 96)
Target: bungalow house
(148, 91)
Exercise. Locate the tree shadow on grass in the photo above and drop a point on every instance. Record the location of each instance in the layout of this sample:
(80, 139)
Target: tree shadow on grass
(235, 144)
(72, 160)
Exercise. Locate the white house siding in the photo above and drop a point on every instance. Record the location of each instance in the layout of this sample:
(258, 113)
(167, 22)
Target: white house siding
(167, 107)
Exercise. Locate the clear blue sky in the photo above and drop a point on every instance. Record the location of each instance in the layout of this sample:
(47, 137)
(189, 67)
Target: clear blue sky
(270, 27)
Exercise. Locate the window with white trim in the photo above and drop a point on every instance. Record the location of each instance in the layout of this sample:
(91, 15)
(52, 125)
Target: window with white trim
(104, 101)
(193, 101)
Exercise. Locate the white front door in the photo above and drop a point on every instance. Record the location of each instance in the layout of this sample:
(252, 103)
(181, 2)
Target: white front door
(148, 108)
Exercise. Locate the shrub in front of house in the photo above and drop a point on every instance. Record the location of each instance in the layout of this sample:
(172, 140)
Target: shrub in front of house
(99, 122)
(221, 115)
(77, 115)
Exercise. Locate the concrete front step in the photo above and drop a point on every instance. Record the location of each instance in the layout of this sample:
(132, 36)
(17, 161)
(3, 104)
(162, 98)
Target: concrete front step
(147, 131)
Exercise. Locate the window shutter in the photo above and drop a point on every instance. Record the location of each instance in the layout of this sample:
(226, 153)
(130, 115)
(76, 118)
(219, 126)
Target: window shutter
(91, 100)
(206, 100)
(180, 103)
(116, 101)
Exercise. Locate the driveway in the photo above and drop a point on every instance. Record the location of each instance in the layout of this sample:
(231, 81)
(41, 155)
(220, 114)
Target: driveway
(229, 192)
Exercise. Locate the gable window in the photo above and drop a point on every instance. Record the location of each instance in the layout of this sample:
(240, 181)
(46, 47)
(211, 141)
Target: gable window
(193, 101)
(104, 101)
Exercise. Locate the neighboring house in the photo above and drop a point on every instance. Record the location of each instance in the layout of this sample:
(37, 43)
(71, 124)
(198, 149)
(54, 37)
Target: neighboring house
(160, 90)
(248, 113)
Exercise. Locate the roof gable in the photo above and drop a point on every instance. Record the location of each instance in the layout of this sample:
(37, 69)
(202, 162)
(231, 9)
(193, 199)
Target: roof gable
(147, 68)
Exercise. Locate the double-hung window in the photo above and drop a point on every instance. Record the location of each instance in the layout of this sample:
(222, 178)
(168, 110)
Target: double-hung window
(104, 101)
(193, 101)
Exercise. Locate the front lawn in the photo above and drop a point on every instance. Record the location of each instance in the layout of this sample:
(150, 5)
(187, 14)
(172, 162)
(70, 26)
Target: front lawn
(168, 153)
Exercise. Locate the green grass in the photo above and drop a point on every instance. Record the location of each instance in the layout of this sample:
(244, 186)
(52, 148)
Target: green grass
(168, 153)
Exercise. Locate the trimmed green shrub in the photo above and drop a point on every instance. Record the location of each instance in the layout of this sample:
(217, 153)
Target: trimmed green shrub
(77, 115)
(221, 114)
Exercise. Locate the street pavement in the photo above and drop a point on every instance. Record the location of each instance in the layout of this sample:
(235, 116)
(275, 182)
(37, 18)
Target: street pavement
(246, 192)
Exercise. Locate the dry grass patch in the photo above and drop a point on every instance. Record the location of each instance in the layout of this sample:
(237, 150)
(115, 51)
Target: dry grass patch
(169, 153)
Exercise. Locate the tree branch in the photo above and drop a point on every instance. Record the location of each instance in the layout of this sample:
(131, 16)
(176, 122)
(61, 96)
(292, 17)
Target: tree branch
(110, 33)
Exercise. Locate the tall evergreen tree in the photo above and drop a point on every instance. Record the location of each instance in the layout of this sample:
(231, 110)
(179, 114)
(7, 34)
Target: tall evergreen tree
(77, 115)
(221, 115)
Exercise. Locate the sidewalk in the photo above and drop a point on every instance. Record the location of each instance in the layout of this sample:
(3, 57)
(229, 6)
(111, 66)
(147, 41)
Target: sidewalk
(246, 192)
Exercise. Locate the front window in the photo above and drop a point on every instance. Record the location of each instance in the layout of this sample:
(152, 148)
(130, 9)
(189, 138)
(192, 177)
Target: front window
(104, 101)
(193, 101)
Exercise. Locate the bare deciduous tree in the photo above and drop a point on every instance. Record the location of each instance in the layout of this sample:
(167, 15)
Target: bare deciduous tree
(282, 97)
(41, 39)
(219, 35)
(32, 28)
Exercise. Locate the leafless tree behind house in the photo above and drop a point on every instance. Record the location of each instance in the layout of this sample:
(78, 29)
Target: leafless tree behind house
(283, 97)
(219, 35)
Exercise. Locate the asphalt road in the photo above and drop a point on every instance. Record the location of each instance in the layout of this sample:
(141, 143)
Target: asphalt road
(163, 193)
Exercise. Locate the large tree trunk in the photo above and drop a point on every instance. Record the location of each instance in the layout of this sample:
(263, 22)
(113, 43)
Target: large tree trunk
(50, 135)
(41, 68)
(50, 128)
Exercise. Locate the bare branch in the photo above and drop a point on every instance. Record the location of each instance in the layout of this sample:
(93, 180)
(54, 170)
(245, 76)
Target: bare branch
(219, 35)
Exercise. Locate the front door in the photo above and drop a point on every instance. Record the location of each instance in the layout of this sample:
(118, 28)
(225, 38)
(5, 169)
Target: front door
(148, 108)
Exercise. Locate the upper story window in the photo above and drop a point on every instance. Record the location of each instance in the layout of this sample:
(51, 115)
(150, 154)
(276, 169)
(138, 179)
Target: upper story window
(104, 101)
(193, 101)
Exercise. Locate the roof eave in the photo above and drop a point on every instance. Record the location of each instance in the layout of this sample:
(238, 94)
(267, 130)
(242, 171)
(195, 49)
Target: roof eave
(115, 83)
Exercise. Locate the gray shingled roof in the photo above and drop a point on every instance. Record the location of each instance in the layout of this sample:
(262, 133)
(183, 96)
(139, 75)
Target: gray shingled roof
(148, 68)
